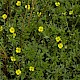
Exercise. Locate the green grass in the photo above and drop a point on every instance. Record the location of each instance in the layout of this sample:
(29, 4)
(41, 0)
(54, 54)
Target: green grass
(40, 49)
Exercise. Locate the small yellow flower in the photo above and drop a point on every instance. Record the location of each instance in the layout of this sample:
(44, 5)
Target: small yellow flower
(39, 14)
(40, 29)
(13, 58)
(14, 35)
(18, 3)
(27, 7)
(31, 68)
(60, 45)
(57, 3)
(58, 38)
(12, 30)
(70, 12)
(1, 28)
(4, 16)
(18, 50)
(18, 72)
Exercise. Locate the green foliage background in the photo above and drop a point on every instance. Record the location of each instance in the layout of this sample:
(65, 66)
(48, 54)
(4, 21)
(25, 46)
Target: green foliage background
(40, 50)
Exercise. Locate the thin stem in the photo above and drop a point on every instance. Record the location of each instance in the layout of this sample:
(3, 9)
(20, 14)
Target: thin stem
(33, 2)
(76, 22)
(3, 51)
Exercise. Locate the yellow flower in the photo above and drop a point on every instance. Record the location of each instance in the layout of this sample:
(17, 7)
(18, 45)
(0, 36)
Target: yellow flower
(60, 45)
(14, 35)
(31, 68)
(39, 14)
(4, 16)
(18, 50)
(58, 38)
(40, 29)
(12, 30)
(27, 7)
(57, 3)
(13, 58)
(70, 12)
(18, 3)
(1, 28)
(18, 72)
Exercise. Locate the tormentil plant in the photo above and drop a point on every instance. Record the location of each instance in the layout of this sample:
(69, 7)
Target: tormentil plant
(39, 40)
